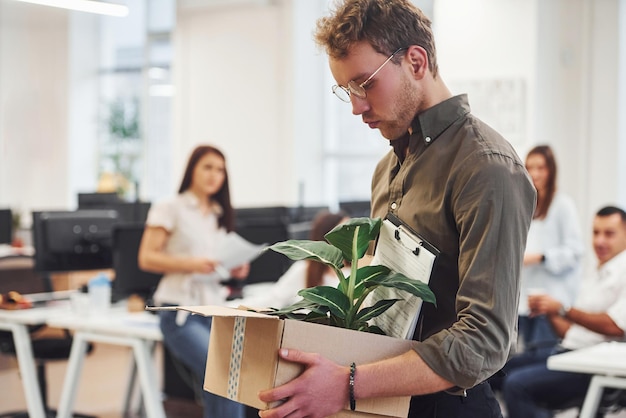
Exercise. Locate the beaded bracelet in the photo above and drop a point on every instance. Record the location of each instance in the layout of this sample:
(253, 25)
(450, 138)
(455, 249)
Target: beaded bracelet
(351, 386)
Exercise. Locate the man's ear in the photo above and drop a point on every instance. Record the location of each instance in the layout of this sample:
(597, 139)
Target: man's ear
(418, 58)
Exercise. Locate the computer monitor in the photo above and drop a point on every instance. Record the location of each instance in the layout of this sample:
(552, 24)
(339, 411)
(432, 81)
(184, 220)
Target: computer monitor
(265, 225)
(302, 219)
(356, 208)
(304, 213)
(6, 226)
(128, 212)
(73, 240)
(129, 278)
(97, 200)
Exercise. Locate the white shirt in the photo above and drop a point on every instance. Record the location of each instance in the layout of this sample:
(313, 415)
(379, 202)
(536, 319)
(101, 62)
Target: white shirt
(559, 238)
(604, 293)
(192, 233)
(285, 291)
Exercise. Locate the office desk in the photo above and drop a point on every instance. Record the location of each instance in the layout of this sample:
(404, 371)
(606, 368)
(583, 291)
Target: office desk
(139, 331)
(605, 361)
(18, 321)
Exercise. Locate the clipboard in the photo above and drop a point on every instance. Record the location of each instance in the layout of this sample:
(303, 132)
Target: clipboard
(403, 250)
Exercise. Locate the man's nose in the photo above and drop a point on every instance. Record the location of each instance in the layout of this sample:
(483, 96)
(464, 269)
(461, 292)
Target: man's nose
(359, 106)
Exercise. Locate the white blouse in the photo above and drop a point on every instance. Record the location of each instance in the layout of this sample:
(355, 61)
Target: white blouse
(559, 238)
(192, 233)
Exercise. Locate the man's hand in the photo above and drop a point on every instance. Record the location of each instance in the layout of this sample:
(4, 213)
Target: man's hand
(241, 272)
(543, 305)
(320, 391)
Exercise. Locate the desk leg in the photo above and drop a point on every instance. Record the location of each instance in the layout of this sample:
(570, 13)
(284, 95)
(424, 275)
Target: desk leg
(594, 393)
(147, 379)
(26, 362)
(130, 391)
(70, 385)
(128, 399)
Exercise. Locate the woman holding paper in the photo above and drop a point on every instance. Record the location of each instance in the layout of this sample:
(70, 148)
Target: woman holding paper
(181, 239)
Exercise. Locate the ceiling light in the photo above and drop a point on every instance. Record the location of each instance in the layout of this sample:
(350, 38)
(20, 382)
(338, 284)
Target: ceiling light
(90, 6)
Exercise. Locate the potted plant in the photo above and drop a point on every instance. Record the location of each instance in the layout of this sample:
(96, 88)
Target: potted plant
(343, 306)
(121, 149)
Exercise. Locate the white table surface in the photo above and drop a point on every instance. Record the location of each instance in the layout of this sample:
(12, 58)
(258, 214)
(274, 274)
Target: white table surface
(118, 321)
(605, 358)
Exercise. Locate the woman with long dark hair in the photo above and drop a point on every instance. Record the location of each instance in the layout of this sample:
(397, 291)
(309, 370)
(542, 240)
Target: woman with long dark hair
(180, 240)
(554, 248)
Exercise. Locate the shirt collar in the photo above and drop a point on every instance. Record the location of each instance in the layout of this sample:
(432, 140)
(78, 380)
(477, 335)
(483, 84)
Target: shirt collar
(617, 263)
(432, 122)
(192, 200)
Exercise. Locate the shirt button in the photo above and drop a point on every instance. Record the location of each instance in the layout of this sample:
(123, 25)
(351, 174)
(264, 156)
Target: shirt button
(428, 139)
(394, 205)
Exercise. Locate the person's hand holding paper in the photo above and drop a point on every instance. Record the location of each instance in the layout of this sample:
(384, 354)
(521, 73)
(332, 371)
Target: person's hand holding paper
(233, 255)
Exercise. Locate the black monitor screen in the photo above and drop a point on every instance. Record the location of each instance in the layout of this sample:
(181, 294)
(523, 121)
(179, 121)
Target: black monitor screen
(127, 212)
(356, 208)
(97, 200)
(6, 226)
(265, 225)
(129, 278)
(76, 240)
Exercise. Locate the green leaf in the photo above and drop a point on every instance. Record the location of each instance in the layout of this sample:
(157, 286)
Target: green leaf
(363, 230)
(373, 329)
(400, 281)
(300, 305)
(379, 307)
(310, 250)
(330, 297)
(367, 273)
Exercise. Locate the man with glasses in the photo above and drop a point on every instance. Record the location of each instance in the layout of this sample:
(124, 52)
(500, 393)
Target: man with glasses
(456, 182)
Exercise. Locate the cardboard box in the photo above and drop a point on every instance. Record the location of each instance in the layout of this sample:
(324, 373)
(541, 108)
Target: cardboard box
(243, 356)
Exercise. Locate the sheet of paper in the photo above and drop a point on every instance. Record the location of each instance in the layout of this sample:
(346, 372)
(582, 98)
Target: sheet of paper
(396, 249)
(233, 251)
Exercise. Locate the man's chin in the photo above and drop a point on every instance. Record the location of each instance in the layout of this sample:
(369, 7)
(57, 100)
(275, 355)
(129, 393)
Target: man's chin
(390, 135)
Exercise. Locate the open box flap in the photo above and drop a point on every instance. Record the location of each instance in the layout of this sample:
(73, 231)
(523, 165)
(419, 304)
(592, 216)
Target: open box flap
(211, 310)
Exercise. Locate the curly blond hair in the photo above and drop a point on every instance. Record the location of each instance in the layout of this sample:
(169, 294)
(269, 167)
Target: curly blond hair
(385, 24)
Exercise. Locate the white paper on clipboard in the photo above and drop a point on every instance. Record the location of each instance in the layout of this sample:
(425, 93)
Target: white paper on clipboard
(403, 251)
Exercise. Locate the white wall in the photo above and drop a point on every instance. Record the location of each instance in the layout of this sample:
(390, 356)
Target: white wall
(33, 106)
(232, 70)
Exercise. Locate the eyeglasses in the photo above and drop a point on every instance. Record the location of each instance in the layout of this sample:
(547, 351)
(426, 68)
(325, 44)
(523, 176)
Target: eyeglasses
(359, 89)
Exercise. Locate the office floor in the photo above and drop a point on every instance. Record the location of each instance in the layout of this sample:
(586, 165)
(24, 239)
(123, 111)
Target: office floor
(103, 385)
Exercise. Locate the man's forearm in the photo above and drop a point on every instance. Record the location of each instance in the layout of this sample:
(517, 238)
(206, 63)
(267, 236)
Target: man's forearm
(404, 375)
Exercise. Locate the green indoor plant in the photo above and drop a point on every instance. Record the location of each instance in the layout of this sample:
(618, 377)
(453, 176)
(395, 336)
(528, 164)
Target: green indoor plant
(343, 306)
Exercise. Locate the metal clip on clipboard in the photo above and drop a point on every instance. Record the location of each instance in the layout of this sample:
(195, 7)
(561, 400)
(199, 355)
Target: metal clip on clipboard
(416, 251)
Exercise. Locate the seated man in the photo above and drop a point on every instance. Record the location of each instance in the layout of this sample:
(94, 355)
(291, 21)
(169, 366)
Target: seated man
(598, 315)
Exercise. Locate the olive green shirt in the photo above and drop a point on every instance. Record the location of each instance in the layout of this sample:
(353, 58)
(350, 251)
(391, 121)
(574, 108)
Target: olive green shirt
(463, 188)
